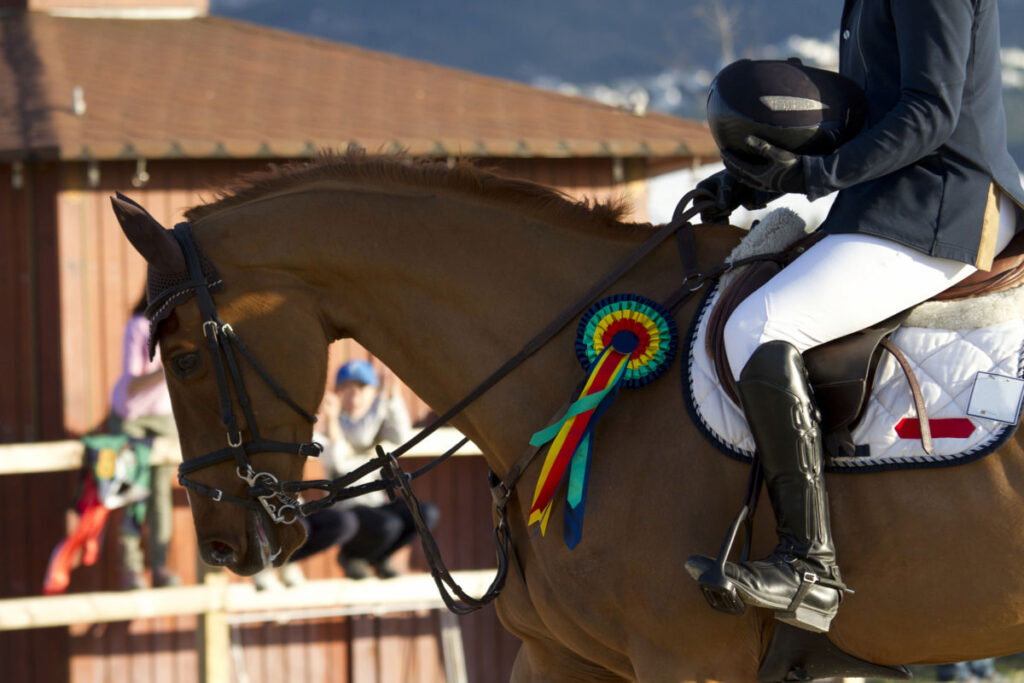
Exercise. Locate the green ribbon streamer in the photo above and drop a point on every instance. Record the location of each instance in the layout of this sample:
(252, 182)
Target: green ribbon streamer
(584, 404)
(578, 471)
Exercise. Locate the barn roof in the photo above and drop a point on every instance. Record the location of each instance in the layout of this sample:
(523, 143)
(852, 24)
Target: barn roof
(213, 87)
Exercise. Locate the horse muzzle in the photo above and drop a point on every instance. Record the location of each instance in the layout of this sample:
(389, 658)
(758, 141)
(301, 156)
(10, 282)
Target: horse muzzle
(217, 553)
(265, 544)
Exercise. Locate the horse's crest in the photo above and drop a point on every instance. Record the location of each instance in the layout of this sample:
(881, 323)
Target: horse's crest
(953, 349)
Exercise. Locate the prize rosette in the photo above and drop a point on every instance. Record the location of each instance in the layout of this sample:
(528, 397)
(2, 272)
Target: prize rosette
(625, 317)
(624, 340)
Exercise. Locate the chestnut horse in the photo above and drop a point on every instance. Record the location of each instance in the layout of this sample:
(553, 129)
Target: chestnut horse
(444, 273)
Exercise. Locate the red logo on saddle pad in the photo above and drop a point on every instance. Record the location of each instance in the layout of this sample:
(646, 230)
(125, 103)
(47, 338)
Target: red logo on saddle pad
(951, 428)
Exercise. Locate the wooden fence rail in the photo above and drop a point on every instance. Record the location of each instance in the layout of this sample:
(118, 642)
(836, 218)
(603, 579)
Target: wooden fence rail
(221, 604)
(60, 456)
(366, 596)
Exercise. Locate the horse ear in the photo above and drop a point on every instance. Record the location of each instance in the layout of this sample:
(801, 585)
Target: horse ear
(149, 238)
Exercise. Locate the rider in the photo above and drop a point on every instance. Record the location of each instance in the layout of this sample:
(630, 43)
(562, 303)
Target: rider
(928, 194)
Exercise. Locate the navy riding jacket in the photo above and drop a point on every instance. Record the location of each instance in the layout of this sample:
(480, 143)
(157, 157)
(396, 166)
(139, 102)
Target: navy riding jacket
(926, 167)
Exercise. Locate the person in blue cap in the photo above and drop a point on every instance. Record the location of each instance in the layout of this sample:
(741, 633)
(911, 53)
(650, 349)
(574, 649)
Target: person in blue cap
(359, 413)
(362, 411)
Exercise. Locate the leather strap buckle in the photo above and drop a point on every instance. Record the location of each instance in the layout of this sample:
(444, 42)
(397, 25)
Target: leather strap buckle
(500, 494)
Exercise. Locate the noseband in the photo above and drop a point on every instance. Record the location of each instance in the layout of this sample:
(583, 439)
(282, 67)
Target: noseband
(222, 343)
(267, 494)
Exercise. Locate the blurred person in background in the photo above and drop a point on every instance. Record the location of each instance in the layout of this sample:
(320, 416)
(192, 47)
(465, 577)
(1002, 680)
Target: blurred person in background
(976, 670)
(141, 408)
(361, 412)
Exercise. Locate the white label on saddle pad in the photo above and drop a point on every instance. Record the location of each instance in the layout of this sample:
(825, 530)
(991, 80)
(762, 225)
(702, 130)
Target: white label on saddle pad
(996, 397)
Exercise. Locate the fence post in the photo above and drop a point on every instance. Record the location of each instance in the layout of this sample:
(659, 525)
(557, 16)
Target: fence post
(451, 647)
(214, 634)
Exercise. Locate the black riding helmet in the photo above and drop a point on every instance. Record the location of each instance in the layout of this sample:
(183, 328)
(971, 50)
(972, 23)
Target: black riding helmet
(795, 107)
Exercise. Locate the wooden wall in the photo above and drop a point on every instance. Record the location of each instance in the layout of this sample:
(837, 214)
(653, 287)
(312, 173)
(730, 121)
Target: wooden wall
(30, 351)
(198, 6)
(30, 405)
(68, 280)
(101, 275)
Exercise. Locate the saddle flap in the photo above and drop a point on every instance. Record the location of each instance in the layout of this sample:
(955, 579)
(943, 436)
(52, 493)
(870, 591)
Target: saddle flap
(755, 275)
(841, 371)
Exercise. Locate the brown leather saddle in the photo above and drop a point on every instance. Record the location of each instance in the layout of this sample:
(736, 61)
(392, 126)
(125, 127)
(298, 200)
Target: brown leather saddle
(842, 370)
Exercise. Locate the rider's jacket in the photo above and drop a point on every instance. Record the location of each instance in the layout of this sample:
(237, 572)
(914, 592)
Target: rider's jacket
(925, 169)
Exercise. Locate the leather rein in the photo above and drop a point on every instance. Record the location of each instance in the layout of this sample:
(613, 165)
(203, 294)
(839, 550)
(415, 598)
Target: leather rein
(279, 500)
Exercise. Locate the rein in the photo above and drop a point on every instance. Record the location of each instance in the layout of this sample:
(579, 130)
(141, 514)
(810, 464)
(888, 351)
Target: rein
(278, 499)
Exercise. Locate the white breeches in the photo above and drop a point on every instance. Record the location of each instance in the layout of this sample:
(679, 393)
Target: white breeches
(842, 284)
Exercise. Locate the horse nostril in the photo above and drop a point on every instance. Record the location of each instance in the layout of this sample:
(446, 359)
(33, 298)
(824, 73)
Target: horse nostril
(218, 554)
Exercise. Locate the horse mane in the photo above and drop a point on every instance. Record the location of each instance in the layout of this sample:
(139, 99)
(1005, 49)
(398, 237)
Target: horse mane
(398, 169)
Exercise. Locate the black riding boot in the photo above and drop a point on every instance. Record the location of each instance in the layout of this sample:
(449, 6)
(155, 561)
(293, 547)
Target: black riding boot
(800, 579)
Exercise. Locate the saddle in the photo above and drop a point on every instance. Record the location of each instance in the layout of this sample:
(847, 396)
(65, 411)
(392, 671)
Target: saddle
(841, 371)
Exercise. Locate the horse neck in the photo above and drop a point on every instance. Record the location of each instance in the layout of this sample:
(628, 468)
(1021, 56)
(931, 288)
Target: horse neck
(443, 289)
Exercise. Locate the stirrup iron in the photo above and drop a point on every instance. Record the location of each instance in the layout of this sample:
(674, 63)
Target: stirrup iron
(717, 588)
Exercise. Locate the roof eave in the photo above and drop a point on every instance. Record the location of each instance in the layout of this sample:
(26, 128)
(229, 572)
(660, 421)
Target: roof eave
(291, 149)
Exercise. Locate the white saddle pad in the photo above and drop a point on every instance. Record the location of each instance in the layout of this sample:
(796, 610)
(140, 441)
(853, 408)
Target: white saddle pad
(947, 364)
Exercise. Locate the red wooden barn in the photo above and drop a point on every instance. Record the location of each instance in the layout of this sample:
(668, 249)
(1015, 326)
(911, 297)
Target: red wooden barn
(157, 99)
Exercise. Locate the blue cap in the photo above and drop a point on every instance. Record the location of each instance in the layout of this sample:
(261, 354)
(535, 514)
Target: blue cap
(357, 371)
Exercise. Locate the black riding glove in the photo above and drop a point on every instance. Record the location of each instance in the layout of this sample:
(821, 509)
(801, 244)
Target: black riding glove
(729, 194)
(781, 171)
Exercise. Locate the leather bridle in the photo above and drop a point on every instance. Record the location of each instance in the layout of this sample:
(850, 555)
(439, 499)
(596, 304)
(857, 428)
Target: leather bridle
(222, 342)
(278, 499)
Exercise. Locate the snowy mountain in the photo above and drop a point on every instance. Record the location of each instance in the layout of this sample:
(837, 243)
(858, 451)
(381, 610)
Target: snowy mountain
(682, 91)
(637, 54)
(572, 40)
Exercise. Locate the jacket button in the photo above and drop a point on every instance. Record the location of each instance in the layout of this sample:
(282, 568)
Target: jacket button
(846, 34)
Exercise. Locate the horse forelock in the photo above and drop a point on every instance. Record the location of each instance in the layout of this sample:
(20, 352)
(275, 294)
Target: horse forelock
(356, 166)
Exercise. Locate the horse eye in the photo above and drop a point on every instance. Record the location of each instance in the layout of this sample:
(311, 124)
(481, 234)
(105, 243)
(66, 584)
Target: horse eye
(185, 364)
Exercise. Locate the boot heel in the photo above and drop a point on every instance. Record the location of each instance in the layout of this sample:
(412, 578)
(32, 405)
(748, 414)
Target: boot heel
(806, 618)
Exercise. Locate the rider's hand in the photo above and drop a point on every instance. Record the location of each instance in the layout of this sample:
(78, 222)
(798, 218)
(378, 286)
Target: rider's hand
(771, 169)
(729, 194)
(725, 190)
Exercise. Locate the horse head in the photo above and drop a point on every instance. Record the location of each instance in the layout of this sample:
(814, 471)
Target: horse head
(243, 412)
